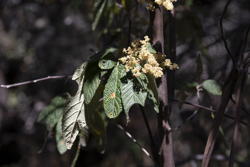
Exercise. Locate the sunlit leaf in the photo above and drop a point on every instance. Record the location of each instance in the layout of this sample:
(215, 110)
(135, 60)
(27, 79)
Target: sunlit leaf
(112, 94)
(131, 96)
(106, 64)
(74, 116)
(212, 87)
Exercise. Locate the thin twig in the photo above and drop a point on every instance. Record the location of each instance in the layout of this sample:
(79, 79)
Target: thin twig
(222, 31)
(152, 142)
(33, 81)
(207, 109)
(49, 134)
(134, 140)
(237, 119)
(76, 155)
(191, 117)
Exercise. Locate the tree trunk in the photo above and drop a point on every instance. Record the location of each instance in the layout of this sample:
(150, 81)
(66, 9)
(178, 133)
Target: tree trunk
(166, 147)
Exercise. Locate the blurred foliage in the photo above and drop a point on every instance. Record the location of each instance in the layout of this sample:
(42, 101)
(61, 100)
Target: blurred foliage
(50, 37)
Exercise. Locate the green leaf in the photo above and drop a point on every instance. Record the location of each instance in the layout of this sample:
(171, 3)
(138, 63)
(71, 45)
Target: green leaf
(212, 87)
(131, 96)
(106, 64)
(96, 121)
(112, 102)
(52, 113)
(148, 83)
(61, 147)
(152, 93)
(151, 49)
(74, 116)
(92, 81)
(108, 52)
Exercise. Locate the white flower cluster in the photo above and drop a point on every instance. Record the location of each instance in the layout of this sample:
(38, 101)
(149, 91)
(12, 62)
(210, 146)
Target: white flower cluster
(140, 59)
(168, 4)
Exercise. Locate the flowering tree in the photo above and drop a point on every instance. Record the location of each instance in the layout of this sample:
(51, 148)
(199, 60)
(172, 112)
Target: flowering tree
(138, 69)
(111, 82)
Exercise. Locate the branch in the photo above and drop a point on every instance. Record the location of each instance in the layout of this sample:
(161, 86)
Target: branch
(208, 109)
(73, 164)
(222, 31)
(33, 81)
(237, 119)
(152, 142)
(219, 116)
(134, 140)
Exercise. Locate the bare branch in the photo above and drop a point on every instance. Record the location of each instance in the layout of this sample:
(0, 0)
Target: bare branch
(152, 142)
(134, 141)
(222, 31)
(237, 119)
(33, 81)
(207, 109)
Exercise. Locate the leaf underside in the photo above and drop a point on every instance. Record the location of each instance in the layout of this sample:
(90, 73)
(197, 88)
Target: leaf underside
(74, 116)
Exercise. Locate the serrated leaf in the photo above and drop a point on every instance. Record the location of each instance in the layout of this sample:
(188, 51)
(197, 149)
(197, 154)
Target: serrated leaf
(61, 147)
(74, 116)
(212, 87)
(112, 102)
(92, 82)
(131, 96)
(52, 113)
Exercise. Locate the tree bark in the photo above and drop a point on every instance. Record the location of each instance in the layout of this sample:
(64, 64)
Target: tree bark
(166, 147)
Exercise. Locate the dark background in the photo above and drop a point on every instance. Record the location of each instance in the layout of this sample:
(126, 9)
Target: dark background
(52, 37)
